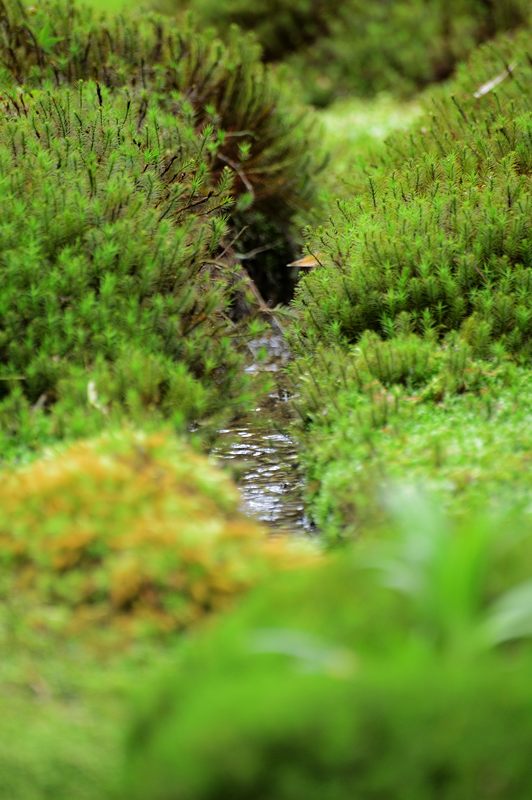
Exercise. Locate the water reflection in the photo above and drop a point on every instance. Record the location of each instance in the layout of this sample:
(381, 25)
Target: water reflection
(261, 454)
(267, 473)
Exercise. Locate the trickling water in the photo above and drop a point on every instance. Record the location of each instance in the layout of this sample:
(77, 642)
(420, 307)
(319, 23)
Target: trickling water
(267, 474)
(263, 457)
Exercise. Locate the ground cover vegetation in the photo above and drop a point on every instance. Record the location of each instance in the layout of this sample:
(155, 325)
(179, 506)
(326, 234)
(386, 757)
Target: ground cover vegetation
(128, 530)
(186, 71)
(121, 151)
(108, 307)
(109, 549)
(363, 48)
(394, 670)
(354, 128)
(435, 231)
(143, 163)
(123, 172)
(414, 333)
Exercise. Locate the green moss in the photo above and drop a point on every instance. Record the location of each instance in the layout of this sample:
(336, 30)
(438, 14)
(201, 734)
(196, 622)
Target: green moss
(266, 139)
(64, 709)
(436, 236)
(406, 330)
(380, 674)
(109, 550)
(355, 128)
(141, 183)
(359, 47)
(111, 218)
(471, 449)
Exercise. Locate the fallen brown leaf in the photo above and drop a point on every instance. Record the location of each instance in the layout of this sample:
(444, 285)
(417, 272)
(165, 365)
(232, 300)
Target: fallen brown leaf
(307, 262)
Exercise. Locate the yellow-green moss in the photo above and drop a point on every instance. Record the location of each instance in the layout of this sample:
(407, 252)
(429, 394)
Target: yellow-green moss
(130, 529)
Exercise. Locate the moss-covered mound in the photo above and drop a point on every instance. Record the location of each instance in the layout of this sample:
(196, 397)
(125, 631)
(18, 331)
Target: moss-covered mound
(266, 139)
(437, 237)
(407, 329)
(131, 152)
(110, 217)
(127, 530)
(359, 47)
(399, 670)
(465, 433)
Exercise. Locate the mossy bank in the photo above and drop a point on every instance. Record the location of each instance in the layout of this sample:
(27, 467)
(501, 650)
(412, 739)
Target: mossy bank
(413, 330)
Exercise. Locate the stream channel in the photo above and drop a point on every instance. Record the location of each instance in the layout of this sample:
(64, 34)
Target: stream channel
(263, 456)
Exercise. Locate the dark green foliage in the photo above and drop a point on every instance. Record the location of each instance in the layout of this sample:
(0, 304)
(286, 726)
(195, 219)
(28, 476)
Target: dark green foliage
(399, 670)
(110, 215)
(281, 26)
(356, 46)
(436, 237)
(266, 139)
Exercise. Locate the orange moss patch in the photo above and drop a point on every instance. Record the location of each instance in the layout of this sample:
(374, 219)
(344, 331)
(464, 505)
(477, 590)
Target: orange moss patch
(133, 529)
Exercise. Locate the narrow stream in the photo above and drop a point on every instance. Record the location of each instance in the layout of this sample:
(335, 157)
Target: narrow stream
(263, 456)
(265, 463)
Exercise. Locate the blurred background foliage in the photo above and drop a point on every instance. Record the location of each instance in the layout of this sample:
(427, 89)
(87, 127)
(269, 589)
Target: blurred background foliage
(363, 48)
(395, 669)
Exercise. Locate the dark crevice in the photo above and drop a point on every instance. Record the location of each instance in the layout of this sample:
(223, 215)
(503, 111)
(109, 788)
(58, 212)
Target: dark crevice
(264, 248)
